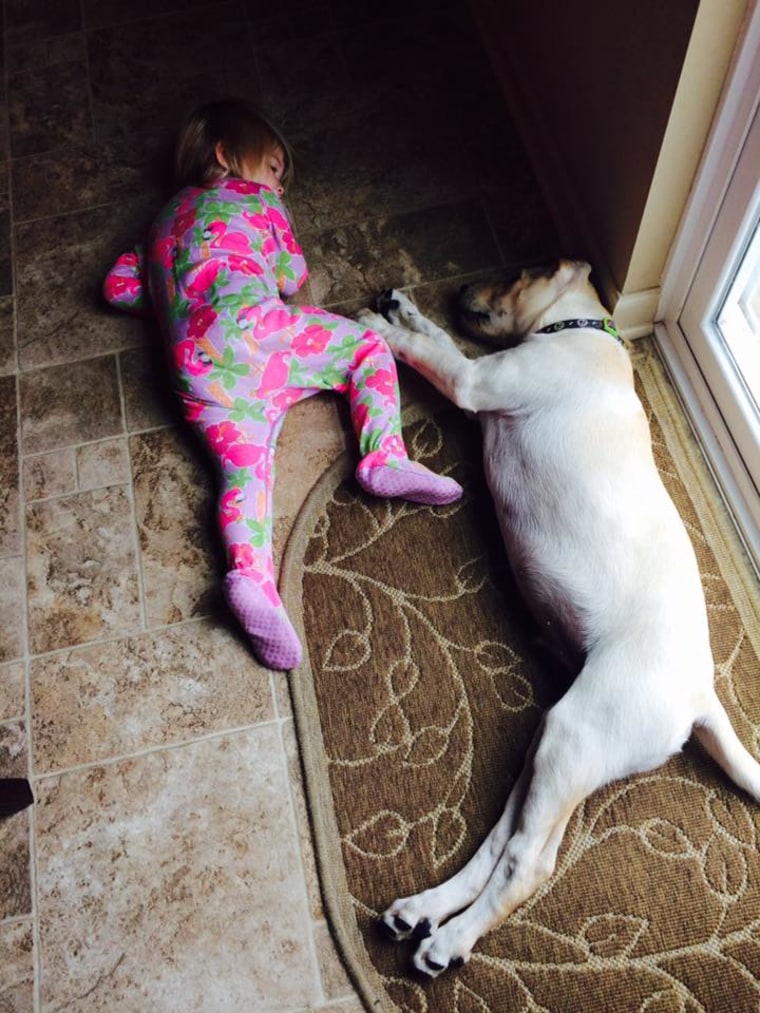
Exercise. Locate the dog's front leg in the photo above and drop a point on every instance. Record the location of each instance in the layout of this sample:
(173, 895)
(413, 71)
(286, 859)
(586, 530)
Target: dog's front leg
(431, 352)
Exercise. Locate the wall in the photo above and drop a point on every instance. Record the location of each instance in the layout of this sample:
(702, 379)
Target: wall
(614, 102)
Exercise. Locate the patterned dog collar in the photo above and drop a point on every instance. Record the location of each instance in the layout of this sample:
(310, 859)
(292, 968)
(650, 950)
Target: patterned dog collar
(606, 324)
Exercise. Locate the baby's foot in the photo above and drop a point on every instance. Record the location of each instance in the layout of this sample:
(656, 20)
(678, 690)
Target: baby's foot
(274, 640)
(406, 479)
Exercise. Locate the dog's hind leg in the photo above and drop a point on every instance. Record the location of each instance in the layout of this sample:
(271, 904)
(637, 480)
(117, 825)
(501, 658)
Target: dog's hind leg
(417, 916)
(526, 863)
(565, 770)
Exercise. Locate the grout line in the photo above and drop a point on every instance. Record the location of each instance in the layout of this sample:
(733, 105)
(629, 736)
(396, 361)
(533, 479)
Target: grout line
(119, 637)
(115, 760)
(465, 198)
(129, 486)
(77, 359)
(70, 212)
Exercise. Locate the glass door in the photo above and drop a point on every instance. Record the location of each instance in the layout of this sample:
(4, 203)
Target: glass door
(720, 314)
(710, 308)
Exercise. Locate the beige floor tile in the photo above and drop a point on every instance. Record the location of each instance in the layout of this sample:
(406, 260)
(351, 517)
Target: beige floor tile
(10, 503)
(148, 399)
(102, 464)
(335, 981)
(350, 1005)
(302, 822)
(82, 569)
(174, 875)
(7, 337)
(13, 749)
(52, 474)
(15, 885)
(59, 88)
(358, 261)
(12, 691)
(12, 618)
(79, 177)
(130, 695)
(17, 967)
(174, 503)
(87, 242)
(61, 406)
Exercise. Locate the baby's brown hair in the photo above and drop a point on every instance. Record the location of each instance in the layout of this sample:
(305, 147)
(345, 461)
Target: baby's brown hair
(244, 132)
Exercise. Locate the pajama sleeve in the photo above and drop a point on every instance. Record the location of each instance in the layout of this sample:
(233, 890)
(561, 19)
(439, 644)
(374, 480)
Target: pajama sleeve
(124, 287)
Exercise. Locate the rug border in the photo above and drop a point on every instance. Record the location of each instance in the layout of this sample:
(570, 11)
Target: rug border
(324, 826)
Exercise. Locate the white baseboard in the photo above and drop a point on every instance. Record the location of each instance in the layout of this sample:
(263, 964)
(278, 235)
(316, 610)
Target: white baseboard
(635, 313)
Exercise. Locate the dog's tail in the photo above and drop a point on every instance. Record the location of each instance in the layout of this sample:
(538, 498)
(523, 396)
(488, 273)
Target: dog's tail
(717, 737)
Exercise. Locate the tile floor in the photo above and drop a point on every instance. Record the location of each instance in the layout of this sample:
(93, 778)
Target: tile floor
(166, 864)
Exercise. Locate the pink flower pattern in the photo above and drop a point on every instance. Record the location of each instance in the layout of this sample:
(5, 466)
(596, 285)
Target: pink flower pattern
(384, 382)
(312, 340)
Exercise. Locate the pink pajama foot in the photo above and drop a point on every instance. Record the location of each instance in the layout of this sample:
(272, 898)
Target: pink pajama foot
(406, 479)
(274, 640)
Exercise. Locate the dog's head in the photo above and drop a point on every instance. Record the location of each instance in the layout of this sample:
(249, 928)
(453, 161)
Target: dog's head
(510, 308)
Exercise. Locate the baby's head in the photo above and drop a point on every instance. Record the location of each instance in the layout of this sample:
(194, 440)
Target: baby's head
(230, 137)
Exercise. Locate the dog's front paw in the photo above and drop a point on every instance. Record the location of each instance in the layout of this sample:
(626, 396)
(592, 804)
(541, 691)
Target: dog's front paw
(404, 919)
(371, 320)
(387, 302)
(398, 308)
(440, 952)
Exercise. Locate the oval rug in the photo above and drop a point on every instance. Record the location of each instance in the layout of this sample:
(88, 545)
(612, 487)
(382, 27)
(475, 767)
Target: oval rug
(418, 696)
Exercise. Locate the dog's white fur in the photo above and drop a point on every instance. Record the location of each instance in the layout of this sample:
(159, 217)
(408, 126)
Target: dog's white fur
(603, 559)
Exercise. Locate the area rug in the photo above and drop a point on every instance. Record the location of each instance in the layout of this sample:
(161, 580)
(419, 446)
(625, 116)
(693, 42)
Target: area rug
(420, 691)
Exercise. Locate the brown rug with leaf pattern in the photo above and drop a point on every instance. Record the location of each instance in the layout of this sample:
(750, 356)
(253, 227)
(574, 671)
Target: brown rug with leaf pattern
(418, 698)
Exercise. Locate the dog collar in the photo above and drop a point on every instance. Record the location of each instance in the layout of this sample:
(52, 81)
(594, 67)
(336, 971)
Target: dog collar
(606, 324)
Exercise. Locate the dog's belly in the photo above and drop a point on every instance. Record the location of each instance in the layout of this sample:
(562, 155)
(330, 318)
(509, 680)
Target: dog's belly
(582, 537)
(526, 507)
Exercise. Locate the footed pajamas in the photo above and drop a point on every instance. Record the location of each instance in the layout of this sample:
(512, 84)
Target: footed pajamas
(218, 261)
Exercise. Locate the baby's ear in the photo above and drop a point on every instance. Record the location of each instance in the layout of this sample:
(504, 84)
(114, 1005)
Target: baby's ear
(221, 157)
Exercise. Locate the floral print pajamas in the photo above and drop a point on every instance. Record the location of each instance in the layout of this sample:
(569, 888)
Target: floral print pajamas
(218, 261)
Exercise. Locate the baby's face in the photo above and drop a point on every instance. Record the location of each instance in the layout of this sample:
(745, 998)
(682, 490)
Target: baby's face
(270, 171)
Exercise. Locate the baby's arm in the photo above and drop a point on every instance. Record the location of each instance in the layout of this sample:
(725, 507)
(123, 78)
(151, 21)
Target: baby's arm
(289, 262)
(124, 287)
